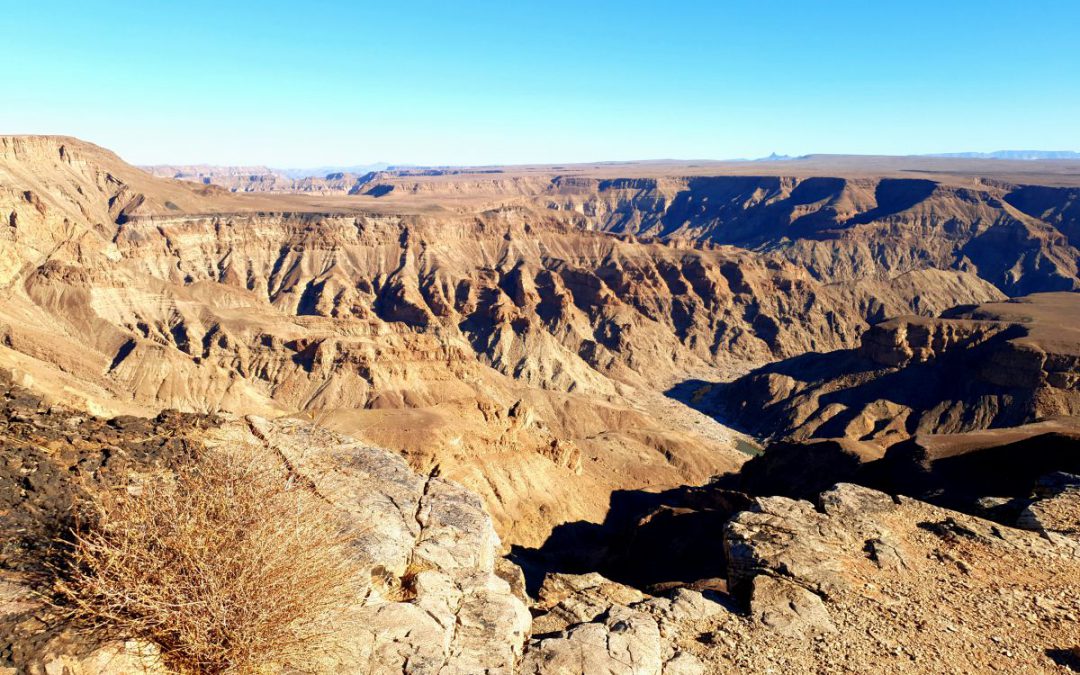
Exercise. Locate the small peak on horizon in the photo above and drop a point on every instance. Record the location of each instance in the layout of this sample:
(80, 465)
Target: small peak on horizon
(774, 157)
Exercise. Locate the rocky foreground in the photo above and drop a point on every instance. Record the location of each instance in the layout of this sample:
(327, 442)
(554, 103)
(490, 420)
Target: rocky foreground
(856, 581)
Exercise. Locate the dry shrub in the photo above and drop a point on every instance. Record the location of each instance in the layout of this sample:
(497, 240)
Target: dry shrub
(229, 567)
(399, 589)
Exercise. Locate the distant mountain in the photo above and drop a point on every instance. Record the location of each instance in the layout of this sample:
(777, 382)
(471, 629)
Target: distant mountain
(773, 157)
(1012, 154)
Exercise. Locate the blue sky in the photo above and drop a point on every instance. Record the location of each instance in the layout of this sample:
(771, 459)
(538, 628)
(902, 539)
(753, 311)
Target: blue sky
(316, 83)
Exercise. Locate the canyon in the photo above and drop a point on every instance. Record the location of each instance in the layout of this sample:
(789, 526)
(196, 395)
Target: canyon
(829, 388)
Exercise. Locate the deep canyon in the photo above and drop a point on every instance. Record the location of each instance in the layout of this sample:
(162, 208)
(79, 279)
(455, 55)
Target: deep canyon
(569, 369)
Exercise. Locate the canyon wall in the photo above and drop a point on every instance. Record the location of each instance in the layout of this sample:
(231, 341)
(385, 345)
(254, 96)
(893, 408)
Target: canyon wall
(518, 330)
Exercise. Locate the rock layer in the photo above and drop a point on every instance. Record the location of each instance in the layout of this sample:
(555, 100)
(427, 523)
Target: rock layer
(991, 366)
(503, 339)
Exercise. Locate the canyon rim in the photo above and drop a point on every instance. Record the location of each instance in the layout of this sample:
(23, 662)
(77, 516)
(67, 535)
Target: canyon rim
(485, 404)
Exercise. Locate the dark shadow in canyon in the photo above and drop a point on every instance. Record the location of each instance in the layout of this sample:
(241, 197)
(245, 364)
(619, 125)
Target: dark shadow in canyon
(1058, 206)
(752, 210)
(724, 200)
(646, 539)
(955, 476)
(894, 195)
(749, 404)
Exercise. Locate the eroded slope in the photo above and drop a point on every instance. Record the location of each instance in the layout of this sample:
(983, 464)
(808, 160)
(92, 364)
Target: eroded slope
(503, 340)
(991, 366)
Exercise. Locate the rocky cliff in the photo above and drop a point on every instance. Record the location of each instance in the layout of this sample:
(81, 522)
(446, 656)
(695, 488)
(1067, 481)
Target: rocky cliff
(510, 343)
(844, 225)
(991, 366)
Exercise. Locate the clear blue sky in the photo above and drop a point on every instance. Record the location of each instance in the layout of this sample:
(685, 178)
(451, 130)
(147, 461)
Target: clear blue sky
(315, 83)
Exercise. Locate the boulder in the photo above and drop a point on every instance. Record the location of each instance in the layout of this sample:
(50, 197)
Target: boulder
(437, 603)
(786, 538)
(787, 608)
(568, 599)
(622, 641)
(785, 557)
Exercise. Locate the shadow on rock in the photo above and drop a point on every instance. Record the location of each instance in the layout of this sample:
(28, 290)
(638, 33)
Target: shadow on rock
(1067, 658)
(648, 540)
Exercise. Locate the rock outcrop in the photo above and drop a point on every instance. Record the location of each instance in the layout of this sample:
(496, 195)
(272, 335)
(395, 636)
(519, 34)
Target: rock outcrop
(860, 581)
(436, 602)
(991, 366)
(862, 578)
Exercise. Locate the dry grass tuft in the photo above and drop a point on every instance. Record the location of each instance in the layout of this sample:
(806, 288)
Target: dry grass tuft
(399, 589)
(228, 566)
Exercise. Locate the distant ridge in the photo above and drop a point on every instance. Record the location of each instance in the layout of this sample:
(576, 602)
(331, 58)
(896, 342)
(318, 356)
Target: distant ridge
(1012, 154)
(321, 171)
(190, 171)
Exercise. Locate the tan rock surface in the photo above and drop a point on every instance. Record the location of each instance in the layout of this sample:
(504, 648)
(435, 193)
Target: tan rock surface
(434, 603)
(964, 595)
(485, 332)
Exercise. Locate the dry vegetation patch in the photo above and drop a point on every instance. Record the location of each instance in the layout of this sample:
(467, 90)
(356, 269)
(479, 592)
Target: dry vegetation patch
(228, 565)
